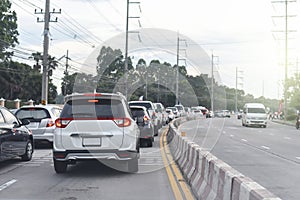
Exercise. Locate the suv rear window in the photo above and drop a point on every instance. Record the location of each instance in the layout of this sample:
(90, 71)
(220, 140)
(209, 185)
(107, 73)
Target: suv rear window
(146, 105)
(137, 112)
(87, 108)
(33, 114)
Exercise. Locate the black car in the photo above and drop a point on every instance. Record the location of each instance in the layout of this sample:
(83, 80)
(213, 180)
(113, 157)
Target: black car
(15, 139)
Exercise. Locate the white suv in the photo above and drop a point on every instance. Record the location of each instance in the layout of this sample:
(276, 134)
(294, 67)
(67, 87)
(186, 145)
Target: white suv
(151, 110)
(96, 126)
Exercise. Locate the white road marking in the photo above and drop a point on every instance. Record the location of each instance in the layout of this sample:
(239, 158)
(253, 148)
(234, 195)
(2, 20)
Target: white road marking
(271, 134)
(244, 140)
(265, 147)
(287, 138)
(231, 135)
(7, 184)
(298, 158)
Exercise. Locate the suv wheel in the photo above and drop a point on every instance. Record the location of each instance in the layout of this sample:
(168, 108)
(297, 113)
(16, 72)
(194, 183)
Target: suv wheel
(149, 142)
(60, 166)
(28, 152)
(156, 130)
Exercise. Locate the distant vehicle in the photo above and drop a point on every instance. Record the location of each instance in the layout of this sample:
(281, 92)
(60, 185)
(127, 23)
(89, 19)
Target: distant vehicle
(222, 113)
(142, 118)
(42, 118)
(96, 126)
(171, 115)
(181, 110)
(240, 114)
(15, 138)
(210, 114)
(254, 114)
(226, 113)
(203, 110)
(196, 111)
(163, 116)
(175, 111)
(151, 108)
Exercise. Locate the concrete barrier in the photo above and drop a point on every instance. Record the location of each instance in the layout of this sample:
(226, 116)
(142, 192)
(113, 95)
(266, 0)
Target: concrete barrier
(209, 177)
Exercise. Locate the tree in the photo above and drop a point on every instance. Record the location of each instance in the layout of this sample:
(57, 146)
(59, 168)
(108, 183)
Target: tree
(52, 64)
(37, 57)
(8, 29)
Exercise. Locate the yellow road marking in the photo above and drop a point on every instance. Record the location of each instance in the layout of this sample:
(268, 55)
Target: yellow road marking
(177, 176)
(172, 180)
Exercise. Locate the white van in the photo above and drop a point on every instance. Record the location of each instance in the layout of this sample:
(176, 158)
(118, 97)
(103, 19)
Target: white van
(254, 114)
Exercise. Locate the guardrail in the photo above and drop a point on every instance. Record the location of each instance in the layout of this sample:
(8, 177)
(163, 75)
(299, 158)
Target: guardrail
(209, 177)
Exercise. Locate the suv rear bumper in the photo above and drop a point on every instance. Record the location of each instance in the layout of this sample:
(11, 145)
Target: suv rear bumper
(74, 155)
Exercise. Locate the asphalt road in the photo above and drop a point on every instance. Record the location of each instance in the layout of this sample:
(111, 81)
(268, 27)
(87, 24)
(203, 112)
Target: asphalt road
(87, 180)
(270, 156)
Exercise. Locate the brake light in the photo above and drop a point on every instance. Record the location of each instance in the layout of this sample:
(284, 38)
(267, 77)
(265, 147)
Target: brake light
(62, 123)
(50, 123)
(93, 100)
(122, 122)
(146, 118)
(92, 94)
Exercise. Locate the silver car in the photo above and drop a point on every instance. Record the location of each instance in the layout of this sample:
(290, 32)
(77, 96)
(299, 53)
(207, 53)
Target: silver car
(42, 120)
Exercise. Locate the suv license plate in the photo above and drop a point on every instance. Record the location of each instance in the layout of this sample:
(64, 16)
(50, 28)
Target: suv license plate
(91, 142)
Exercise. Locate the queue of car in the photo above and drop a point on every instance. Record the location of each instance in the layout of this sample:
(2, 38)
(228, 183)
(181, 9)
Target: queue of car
(101, 126)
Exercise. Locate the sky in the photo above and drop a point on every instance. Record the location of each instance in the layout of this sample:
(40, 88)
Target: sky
(244, 37)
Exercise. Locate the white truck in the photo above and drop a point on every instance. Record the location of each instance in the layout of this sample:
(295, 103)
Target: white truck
(254, 114)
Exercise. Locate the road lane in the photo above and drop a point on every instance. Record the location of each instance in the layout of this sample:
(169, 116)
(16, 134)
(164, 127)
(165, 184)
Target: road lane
(269, 155)
(86, 180)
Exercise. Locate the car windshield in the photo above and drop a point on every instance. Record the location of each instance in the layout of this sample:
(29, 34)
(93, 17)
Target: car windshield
(256, 110)
(33, 114)
(87, 108)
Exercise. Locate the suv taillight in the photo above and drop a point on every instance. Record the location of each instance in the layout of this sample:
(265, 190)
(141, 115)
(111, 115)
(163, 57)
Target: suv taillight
(50, 123)
(146, 118)
(62, 123)
(122, 122)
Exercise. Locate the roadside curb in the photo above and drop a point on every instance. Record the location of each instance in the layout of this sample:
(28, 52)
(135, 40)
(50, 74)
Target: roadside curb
(283, 122)
(208, 176)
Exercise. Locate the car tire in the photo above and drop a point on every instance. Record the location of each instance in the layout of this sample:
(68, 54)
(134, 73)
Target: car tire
(149, 143)
(133, 165)
(155, 131)
(27, 156)
(60, 166)
(297, 125)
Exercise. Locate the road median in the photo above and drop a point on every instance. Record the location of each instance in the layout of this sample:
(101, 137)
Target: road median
(209, 177)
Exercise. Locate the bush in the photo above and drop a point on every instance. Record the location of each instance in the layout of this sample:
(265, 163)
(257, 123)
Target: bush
(291, 117)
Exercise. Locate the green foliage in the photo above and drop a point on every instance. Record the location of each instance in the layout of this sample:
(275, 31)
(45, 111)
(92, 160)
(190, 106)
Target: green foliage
(8, 29)
(18, 80)
(293, 91)
(157, 83)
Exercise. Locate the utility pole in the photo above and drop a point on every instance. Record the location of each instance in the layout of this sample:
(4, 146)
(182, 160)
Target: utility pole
(212, 81)
(177, 67)
(126, 44)
(46, 21)
(237, 77)
(286, 31)
(67, 63)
